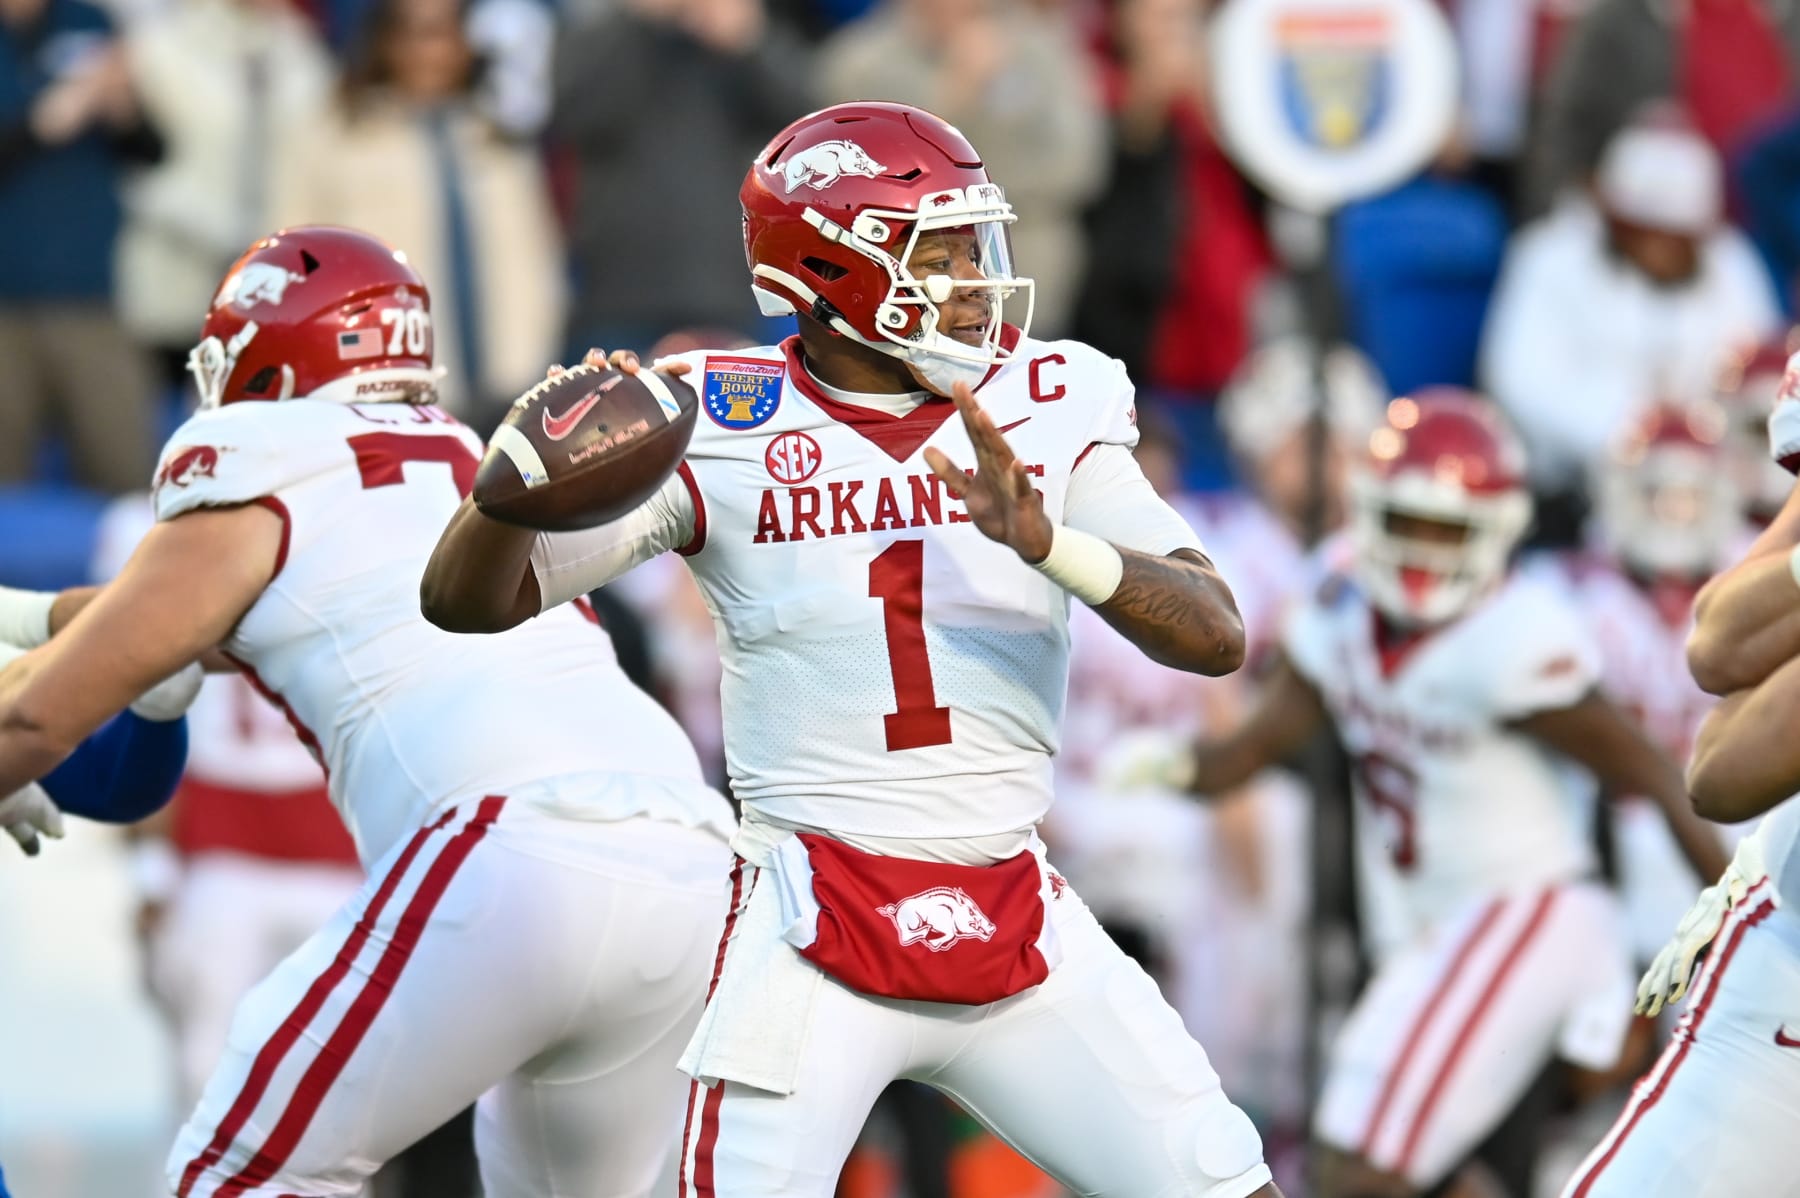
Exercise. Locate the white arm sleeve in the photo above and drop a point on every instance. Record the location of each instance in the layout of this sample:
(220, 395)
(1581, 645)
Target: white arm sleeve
(570, 564)
(1110, 498)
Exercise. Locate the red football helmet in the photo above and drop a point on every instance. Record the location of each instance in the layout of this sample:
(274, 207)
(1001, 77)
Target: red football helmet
(317, 312)
(1668, 504)
(833, 209)
(1446, 457)
(1746, 391)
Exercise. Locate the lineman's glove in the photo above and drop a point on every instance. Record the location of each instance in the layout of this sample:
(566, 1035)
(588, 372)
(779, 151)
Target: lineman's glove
(170, 698)
(28, 811)
(1667, 978)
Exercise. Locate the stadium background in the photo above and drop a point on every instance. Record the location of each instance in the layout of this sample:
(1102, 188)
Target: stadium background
(565, 176)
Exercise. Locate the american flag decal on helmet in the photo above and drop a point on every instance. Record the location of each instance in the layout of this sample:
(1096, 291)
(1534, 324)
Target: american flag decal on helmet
(359, 343)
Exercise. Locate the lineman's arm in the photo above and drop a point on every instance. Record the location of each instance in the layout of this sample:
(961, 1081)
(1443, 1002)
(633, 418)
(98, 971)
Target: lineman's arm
(1747, 620)
(1284, 715)
(1747, 758)
(182, 592)
(1595, 733)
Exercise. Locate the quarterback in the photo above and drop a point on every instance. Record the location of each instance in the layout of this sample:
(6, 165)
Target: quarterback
(543, 857)
(887, 515)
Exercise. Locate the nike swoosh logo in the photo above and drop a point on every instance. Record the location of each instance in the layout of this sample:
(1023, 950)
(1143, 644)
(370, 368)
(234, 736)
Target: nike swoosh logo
(1785, 1040)
(1007, 428)
(558, 427)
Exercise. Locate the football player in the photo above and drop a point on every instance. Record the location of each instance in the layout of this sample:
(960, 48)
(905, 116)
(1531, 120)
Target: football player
(542, 854)
(1668, 515)
(1719, 1111)
(887, 515)
(1464, 694)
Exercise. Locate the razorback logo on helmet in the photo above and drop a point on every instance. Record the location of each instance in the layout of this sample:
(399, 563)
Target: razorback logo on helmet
(256, 283)
(939, 917)
(193, 463)
(822, 165)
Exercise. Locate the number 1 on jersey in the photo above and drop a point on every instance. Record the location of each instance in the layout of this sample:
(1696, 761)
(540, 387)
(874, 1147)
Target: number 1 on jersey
(897, 578)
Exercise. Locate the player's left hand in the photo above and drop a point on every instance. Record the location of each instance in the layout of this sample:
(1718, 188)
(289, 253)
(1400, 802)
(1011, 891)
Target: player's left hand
(999, 496)
(170, 698)
(1667, 978)
(28, 811)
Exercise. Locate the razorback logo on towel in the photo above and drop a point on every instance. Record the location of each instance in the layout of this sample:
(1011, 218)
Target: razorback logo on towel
(843, 917)
(939, 917)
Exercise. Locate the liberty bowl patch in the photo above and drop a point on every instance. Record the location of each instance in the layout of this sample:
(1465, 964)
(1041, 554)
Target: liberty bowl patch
(741, 392)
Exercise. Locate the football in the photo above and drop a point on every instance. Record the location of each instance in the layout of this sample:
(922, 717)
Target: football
(585, 447)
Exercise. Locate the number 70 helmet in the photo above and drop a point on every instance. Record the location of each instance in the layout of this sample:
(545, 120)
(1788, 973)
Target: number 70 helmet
(317, 312)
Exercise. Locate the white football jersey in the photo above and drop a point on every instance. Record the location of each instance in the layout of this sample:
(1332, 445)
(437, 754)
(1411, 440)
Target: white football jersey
(888, 670)
(1466, 806)
(407, 719)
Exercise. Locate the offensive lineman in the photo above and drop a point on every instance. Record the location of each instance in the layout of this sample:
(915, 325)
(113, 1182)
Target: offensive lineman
(894, 634)
(1717, 1115)
(1464, 693)
(543, 856)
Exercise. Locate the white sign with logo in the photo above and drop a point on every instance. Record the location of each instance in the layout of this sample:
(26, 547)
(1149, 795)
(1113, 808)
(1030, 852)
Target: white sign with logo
(1327, 101)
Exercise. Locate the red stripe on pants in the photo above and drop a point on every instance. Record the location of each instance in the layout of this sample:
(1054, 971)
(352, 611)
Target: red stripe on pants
(262, 1070)
(731, 914)
(1436, 1090)
(1677, 1050)
(709, 1139)
(316, 1082)
(1428, 1016)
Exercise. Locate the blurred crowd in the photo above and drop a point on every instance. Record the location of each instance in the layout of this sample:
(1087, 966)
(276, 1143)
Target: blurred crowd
(1611, 239)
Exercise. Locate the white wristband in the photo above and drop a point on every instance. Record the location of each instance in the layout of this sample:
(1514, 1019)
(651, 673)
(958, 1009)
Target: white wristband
(25, 617)
(1794, 564)
(1086, 566)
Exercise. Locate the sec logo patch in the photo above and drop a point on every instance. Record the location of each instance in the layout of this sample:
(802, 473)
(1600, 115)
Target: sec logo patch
(741, 393)
(792, 458)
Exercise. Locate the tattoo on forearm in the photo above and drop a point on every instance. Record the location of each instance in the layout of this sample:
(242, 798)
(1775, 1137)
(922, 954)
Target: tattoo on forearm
(1175, 610)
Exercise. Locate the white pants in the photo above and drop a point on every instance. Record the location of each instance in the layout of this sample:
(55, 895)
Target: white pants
(1089, 1075)
(233, 918)
(550, 966)
(1718, 1116)
(1456, 1025)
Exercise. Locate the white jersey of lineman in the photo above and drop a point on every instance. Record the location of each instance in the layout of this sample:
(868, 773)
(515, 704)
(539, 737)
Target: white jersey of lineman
(1467, 806)
(889, 671)
(409, 720)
